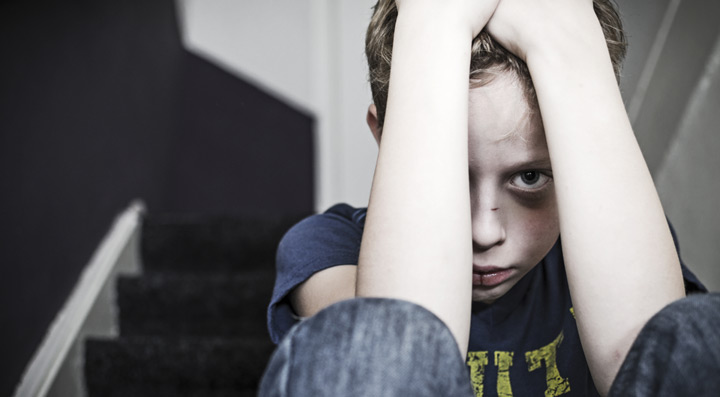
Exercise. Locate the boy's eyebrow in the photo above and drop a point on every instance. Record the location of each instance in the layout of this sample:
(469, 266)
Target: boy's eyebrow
(539, 163)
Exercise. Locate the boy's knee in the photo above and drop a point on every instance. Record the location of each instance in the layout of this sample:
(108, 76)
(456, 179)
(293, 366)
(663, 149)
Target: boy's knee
(676, 353)
(695, 314)
(374, 345)
(385, 330)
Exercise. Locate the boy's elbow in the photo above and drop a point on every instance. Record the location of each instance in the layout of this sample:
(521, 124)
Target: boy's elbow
(323, 289)
(604, 374)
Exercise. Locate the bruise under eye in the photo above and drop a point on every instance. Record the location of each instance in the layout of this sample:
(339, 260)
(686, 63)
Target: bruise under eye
(533, 197)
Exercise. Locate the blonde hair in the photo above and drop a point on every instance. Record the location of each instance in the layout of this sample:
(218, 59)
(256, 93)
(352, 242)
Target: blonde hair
(488, 57)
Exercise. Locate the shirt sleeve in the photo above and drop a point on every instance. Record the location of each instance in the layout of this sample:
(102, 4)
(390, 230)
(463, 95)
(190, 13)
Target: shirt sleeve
(692, 283)
(316, 243)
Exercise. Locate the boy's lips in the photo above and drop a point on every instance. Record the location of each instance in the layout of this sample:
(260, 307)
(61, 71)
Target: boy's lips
(490, 276)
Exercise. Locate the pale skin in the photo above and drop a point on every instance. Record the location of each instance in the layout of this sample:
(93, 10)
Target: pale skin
(619, 256)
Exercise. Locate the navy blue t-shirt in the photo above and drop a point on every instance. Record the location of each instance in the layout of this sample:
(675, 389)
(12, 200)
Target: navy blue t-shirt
(525, 343)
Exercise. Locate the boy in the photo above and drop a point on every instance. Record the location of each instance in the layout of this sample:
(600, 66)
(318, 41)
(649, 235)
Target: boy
(471, 192)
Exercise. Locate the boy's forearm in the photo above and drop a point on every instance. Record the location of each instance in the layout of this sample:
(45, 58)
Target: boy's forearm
(417, 243)
(620, 258)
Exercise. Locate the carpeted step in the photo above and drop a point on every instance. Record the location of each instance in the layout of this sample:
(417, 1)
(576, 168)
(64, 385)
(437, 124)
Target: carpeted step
(151, 390)
(194, 305)
(211, 244)
(147, 366)
(193, 323)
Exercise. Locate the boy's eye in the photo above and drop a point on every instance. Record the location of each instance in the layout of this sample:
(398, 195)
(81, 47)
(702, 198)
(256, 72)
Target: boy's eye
(530, 177)
(530, 180)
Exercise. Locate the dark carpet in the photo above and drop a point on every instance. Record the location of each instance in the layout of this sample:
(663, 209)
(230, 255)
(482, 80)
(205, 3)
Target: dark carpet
(193, 323)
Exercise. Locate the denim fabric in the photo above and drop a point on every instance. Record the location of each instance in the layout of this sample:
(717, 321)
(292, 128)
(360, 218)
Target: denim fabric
(368, 347)
(384, 347)
(677, 353)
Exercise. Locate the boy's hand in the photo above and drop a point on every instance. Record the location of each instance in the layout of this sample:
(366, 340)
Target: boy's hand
(471, 13)
(527, 27)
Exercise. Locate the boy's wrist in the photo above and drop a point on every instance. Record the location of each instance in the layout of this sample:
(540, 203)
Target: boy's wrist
(569, 55)
(579, 40)
(469, 17)
(433, 18)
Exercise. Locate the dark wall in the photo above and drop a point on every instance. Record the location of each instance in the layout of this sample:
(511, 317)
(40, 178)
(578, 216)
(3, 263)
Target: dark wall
(234, 147)
(99, 104)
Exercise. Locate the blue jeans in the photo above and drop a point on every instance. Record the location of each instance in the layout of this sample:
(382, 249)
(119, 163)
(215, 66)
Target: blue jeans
(384, 347)
(677, 353)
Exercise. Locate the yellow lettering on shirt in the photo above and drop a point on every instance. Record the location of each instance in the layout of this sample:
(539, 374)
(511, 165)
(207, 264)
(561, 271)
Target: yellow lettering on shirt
(477, 362)
(503, 360)
(572, 311)
(556, 384)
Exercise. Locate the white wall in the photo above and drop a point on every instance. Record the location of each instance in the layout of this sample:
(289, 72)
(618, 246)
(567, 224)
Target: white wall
(309, 53)
(265, 41)
(642, 20)
(688, 180)
(674, 110)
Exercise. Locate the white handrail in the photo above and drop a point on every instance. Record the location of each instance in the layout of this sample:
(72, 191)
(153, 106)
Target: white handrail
(42, 369)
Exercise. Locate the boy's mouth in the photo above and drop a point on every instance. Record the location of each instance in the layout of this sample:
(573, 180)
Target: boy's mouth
(490, 276)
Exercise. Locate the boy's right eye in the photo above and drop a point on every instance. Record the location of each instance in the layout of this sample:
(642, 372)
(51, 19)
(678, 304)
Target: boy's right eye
(530, 180)
(530, 177)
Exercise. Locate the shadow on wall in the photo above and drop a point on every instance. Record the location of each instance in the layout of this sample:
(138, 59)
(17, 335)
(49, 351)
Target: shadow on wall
(676, 122)
(99, 105)
(687, 179)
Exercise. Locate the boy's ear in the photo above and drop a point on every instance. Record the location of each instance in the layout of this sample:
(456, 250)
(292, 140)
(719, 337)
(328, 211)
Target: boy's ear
(372, 122)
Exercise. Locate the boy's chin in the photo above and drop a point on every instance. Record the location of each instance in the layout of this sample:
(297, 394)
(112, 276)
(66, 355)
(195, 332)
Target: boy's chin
(489, 295)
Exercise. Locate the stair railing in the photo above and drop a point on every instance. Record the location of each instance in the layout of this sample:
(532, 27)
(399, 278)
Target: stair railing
(88, 310)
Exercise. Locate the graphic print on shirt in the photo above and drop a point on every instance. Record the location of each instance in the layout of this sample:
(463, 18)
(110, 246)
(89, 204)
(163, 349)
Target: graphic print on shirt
(544, 357)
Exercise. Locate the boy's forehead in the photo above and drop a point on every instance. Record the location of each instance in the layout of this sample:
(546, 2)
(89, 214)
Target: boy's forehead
(503, 89)
(499, 111)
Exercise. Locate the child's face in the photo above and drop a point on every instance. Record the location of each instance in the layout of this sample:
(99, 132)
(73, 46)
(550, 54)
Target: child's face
(514, 212)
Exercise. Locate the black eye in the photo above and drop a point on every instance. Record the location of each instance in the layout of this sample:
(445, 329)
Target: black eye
(530, 177)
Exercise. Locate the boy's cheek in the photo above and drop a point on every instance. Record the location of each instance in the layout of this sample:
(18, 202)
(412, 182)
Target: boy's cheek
(542, 201)
(540, 228)
(541, 218)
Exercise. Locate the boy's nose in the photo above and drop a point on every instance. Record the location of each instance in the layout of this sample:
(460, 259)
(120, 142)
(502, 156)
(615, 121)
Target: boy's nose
(488, 229)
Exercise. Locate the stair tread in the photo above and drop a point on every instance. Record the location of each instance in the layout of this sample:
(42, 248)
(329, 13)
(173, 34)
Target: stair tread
(193, 305)
(165, 288)
(226, 244)
(186, 362)
(144, 389)
(193, 323)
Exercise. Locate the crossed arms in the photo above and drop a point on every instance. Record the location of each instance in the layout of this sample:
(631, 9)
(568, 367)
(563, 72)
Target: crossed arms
(619, 256)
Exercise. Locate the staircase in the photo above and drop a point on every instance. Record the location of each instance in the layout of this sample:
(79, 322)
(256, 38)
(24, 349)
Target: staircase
(193, 323)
